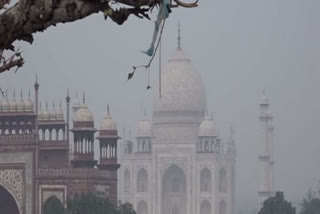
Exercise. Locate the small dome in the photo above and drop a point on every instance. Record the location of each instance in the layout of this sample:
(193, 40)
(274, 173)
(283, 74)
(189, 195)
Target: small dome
(21, 104)
(108, 124)
(53, 113)
(46, 114)
(208, 128)
(83, 114)
(60, 113)
(29, 104)
(144, 128)
(14, 104)
(5, 105)
(40, 113)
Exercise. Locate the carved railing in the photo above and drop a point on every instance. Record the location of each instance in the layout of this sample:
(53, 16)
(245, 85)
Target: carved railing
(17, 139)
(75, 173)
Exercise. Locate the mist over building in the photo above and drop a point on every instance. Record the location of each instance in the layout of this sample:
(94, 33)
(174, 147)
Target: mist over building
(178, 163)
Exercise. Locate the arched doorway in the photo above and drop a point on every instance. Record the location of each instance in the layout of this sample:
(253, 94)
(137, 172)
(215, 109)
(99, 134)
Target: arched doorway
(142, 181)
(142, 208)
(205, 207)
(53, 206)
(7, 202)
(174, 196)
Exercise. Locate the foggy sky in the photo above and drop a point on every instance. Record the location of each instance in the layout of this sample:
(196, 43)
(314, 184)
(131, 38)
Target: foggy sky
(239, 47)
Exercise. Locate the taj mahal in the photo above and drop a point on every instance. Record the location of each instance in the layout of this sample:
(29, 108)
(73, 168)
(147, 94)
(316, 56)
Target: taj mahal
(178, 162)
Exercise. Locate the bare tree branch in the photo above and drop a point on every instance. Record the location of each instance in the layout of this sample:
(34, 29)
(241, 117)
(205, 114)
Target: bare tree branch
(15, 60)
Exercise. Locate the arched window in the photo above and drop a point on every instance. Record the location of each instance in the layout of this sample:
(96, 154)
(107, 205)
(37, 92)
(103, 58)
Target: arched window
(46, 135)
(205, 180)
(60, 135)
(129, 147)
(222, 207)
(54, 135)
(206, 146)
(205, 207)
(222, 180)
(53, 206)
(126, 181)
(142, 208)
(142, 181)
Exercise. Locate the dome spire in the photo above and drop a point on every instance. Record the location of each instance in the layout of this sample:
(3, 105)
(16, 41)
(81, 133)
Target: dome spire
(21, 98)
(179, 37)
(108, 109)
(84, 97)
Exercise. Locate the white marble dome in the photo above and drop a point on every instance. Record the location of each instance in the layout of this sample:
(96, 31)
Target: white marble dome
(108, 124)
(208, 128)
(144, 128)
(83, 114)
(183, 94)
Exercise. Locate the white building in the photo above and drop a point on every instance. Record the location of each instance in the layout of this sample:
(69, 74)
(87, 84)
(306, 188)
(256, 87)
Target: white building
(178, 163)
(266, 159)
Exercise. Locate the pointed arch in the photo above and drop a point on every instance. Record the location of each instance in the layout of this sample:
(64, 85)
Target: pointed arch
(205, 207)
(222, 207)
(54, 134)
(205, 180)
(60, 135)
(8, 203)
(53, 206)
(126, 176)
(46, 135)
(222, 180)
(142, 208)
(142, 181)
(174, 191)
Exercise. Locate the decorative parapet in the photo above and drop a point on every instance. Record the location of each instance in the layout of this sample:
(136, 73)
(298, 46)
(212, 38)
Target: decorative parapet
(75, 173)
(17, 139)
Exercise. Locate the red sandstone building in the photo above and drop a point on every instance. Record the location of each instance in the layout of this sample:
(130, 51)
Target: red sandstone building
(36, 164)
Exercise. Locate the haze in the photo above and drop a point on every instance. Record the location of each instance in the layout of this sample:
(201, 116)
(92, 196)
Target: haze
(239, 47)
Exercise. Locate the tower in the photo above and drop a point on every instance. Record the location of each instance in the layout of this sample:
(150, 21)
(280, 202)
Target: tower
(144, 136)
(83, 138)
(108, 137)
(266, 160)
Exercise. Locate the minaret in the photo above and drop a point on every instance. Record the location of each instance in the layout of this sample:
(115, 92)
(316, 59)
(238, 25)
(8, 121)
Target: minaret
(83, 138)
(266, 187)
(108, 138)
(68, 126)
(36, 155)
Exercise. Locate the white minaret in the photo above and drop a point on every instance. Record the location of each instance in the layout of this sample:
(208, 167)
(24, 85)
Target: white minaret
(266, 159)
